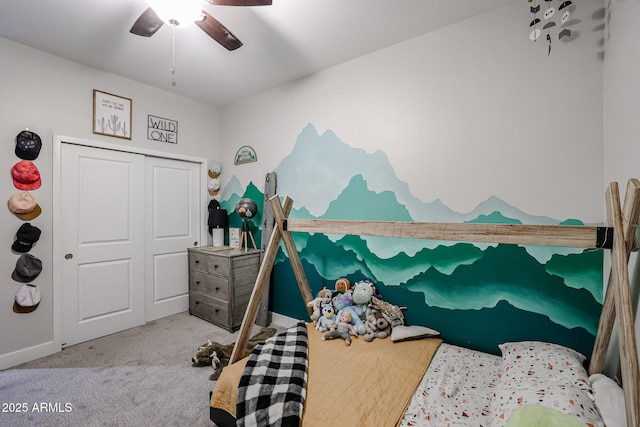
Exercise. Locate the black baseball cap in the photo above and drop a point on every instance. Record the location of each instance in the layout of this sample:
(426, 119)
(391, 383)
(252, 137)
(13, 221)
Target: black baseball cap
(28, 145)
(26, 236)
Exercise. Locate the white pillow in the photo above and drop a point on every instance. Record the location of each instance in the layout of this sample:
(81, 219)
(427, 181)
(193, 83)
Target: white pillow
(536, 360)
(609, 400)
(414, 332)
(545, 374)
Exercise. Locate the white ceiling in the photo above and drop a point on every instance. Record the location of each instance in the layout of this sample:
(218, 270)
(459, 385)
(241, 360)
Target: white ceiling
(282, 42)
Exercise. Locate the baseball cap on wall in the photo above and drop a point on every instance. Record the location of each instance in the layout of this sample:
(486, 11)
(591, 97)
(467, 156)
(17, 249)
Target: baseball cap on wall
(28, 145)
(27, 268)
(26, 237)
(26, 175)
(24, 206)
(27, 299)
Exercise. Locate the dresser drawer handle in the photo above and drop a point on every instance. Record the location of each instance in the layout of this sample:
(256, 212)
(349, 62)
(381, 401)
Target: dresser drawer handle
(197, 282)
(197, 302)
(215, 267)
(217, 288)
(197, 262)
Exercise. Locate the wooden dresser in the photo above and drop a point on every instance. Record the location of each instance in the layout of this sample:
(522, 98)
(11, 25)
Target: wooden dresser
(221, 280)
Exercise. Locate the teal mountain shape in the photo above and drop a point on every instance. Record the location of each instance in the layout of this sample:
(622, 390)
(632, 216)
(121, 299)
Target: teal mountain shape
(454, 287)
(481, 329)
(252, 192)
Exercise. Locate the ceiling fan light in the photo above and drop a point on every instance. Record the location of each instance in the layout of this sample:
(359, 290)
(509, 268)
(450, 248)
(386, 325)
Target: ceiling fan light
(179, 13)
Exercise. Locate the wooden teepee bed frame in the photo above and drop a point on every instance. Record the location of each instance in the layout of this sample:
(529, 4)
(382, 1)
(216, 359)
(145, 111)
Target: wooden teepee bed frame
(619, 237)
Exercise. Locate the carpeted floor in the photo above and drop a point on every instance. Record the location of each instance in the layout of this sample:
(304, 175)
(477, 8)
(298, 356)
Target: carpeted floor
(139, 377)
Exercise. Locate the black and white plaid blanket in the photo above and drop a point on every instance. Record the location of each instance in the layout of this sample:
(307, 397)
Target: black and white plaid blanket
(273, 385)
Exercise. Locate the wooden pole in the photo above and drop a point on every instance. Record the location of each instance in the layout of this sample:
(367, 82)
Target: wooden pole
(624, 310)
(292, 252)
(630, 215)
(262, 283)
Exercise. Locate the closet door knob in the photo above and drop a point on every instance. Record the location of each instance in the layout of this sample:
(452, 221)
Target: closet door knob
(195, 243)
(68, 256)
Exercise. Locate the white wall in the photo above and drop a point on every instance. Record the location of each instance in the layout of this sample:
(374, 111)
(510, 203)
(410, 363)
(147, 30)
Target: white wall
(51, 95)
(472, 110)
(622, 108)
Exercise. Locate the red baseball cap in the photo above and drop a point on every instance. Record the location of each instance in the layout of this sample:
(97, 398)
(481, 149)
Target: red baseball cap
(26, 175)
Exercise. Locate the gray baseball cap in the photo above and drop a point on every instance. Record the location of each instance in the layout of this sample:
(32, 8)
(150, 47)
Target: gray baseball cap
(27, 268)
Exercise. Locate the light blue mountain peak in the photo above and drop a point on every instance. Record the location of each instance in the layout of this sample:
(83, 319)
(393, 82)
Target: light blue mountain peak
(233, 187)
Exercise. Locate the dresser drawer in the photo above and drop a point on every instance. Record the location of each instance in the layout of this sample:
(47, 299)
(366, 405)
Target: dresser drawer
(210, 285)
(210, 309)
(206, 263)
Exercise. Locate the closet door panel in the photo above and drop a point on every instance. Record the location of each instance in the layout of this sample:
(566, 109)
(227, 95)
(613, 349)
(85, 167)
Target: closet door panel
(102, 236)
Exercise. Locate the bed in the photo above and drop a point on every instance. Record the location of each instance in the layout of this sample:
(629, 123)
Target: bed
(425, 381)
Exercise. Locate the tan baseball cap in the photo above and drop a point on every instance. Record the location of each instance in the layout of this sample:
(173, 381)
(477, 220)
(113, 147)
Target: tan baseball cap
(24, 206)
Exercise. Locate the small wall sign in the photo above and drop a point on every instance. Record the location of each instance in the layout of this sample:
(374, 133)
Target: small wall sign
(244, 155)
(111, 115)
(162, 130)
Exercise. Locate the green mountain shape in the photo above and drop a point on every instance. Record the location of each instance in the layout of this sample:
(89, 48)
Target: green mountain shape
(400, 267)
(255, 223)
(508, 272)
(326, 257)
(571, 222)
(494, 217)
(480, 330)
(357, 202)
(580, 271)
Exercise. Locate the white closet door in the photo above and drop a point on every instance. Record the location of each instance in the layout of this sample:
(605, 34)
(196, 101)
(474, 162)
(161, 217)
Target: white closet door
(102, 224)
(172, 199)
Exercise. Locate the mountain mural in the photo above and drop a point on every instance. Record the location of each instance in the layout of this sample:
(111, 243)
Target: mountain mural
(459, 288)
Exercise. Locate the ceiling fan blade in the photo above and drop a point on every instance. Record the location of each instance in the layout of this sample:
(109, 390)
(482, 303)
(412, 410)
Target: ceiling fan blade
(218, 32)
(147, 24)
(240, 2)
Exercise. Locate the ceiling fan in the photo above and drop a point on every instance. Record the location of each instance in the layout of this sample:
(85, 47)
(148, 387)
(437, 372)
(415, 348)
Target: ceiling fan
(157, 14)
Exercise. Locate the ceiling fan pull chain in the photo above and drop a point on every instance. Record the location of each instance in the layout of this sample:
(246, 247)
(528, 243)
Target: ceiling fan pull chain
(173, 56)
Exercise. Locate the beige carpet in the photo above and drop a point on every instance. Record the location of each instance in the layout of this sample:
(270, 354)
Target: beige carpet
(139, 377)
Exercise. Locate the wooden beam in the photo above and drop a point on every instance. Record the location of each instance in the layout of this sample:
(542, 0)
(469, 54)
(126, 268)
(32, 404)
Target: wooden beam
(292, 252)
(544, 235)
(624, 310)
(262, 283)
(630, 215)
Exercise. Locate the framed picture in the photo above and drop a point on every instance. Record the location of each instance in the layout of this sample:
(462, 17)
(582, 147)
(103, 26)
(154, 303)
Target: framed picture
(111, 115)
(234, 237)
(244, 155)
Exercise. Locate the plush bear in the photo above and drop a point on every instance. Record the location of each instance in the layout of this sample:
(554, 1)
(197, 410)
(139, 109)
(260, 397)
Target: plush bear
(217, 355)
(362, 293)
(376, 325)
(327, 319)
(323, 297)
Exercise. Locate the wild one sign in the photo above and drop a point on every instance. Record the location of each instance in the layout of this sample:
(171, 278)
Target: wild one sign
(162, 130)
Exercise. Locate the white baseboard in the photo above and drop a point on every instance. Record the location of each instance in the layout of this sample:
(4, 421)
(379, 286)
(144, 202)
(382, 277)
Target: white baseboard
(25, 355)
(284, 321)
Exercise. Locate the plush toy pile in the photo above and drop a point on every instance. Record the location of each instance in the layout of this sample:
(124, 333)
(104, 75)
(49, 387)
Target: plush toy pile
(349, 311)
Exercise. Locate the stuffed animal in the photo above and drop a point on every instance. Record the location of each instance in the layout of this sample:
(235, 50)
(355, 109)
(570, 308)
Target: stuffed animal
(391, 312)
(327, 319)
(343, 285)
(376, 325)
(344, 302)
(217, 355)
(323, 297)
(342, 329)
(362, 293)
